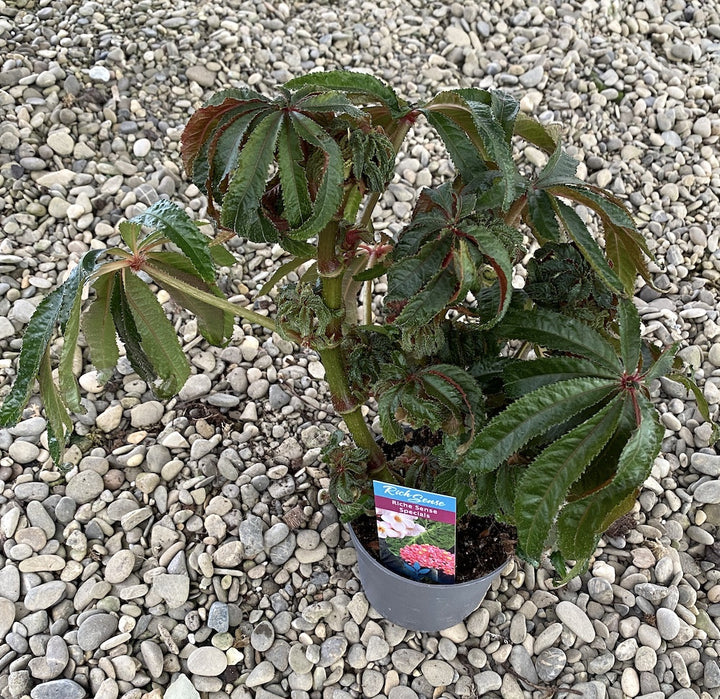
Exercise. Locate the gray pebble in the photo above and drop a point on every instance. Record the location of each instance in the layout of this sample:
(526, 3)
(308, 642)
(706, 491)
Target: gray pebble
(45, 595)
(550, 663)
(262, 637)
(219, 617)
(668, 623)
(331, 650)
(58, 689)
(95, 630)
(576, 620)
(207, 661)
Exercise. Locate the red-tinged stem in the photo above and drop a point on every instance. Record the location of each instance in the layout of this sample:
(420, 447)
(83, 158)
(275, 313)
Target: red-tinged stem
(330, 270)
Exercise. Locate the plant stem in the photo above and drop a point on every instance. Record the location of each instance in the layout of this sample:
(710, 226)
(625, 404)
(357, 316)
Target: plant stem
(330, 271)
(346, 405)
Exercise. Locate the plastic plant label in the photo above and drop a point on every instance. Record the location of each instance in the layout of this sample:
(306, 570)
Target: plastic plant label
(416, 532)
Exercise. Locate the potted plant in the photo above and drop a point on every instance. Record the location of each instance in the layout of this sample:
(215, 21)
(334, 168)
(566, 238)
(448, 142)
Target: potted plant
(528, 405)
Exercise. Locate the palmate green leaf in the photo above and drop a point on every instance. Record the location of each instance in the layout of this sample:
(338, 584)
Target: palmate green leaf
(302, 311)
(531, 416)
(416, 397)
(218, 158)
(407, 276)
(99, 329)
(128, 333)
(66, 378)
(130, 233)
(472, 111)
(625, 247)
(358, 504)
(296, 198)
(202, 124)
(330, 191)
(560, 169)
(577, 230)
(373, 165)
(494, 139)
(181, 230)
(59, 423)
(544, 487)
(662, 364)
(505, 109)
(488, 242)
(419, 410)
(215, 325)
(400, 395)
(241, 204)
(53, 310)
(558, 332)
(521, 377)
(158, 338)
(459, 393)
(432, 299)
(222, 256)
(581, 523)
(456, 484)
(365, 87)
(424, 228)
(544, 137)
(439, 259)
(540, 216)
(626, 250)
(463, 153)
(629, 331)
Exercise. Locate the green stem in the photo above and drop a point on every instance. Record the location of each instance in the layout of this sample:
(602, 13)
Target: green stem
(330, 270)
(372, 200)
(210, 299)
(333, 358)
(346, 405)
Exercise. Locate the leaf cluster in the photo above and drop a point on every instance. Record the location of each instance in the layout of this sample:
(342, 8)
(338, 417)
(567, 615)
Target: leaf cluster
(535, 402)
(123, 308)
(559, 277)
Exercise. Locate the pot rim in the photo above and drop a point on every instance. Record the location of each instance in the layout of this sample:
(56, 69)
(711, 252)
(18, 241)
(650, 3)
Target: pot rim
(374, 562)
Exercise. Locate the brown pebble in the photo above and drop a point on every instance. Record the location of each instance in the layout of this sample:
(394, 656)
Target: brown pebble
(114, 478)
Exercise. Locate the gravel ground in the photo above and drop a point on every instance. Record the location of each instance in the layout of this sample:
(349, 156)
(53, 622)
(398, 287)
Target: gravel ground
(190, 551)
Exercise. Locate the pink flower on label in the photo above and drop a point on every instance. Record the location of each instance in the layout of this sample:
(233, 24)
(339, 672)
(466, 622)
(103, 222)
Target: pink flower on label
(429, 556)
(395, 525)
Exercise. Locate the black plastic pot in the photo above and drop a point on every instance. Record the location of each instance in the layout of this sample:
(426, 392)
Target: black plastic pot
(415, 605)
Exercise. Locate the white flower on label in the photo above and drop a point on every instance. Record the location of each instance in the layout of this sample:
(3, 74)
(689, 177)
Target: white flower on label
(396, 525)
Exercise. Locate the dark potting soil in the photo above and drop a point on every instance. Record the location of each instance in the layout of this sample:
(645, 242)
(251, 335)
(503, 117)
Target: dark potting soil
(482, 546)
